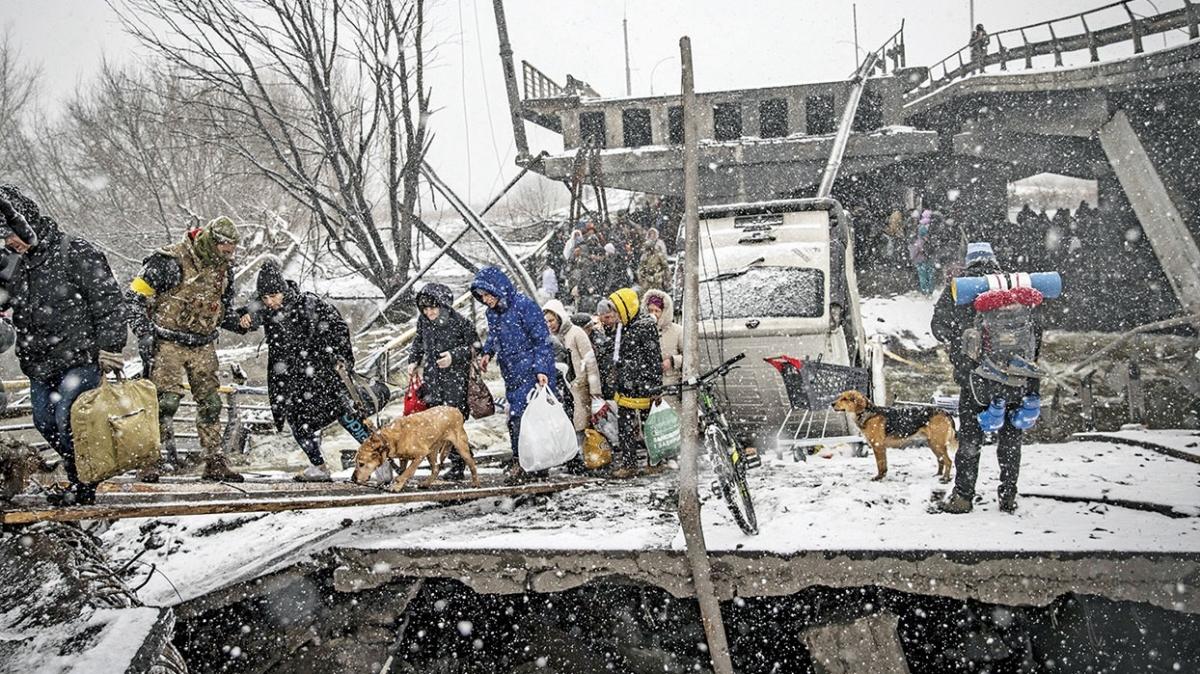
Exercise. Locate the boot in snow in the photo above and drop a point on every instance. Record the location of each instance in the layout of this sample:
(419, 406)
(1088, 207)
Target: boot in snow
(456, 472)
(216, 469)
(150, 474)
(314, 474)
(76, 494)
(956, 505)
(1008, 504)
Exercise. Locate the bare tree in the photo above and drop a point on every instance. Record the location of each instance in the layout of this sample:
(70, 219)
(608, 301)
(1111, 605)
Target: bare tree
(18, 84)
(535, 200)
(325, 98)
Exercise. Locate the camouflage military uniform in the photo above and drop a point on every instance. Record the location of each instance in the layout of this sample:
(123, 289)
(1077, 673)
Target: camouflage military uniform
(183, 296)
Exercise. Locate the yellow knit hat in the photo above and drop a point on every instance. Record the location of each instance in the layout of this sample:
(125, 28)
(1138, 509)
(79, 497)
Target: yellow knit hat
(626, 302)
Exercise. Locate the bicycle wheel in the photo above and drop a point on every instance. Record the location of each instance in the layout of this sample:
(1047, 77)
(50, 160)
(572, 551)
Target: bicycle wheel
(731, 479)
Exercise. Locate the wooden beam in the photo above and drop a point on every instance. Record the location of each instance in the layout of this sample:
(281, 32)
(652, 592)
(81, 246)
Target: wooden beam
(369, 497)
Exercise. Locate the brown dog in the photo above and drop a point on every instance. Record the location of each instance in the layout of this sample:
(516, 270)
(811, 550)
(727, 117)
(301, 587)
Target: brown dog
(885, 427)
(427, 435)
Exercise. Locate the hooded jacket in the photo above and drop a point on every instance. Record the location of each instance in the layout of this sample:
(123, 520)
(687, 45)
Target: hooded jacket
(306, 338)
(636, 353)
(583, 362)
(517, 336)
(452, 333)
(670, 337)
(66, 304)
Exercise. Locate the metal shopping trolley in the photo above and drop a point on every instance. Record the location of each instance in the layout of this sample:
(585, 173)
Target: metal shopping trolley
(811, 423)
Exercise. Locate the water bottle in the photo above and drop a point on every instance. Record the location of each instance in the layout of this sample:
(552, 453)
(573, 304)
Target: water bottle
(991, 419)
(1024, 417)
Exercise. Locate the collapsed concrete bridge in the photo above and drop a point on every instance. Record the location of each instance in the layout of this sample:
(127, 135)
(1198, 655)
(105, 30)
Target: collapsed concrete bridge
(1099, 98)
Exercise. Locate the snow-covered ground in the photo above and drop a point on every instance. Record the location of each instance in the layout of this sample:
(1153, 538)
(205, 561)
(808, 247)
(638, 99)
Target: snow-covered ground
(823, 504)
(900, 320)
(1182, 441)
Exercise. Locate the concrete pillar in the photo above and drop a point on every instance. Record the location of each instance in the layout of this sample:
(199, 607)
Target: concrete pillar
(660, 124)
(868, 644)
(1160, 219)
(797, 109)
(751, 124)
(614, 126)
(570, 129)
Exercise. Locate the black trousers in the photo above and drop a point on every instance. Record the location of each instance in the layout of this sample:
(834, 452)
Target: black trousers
(974, 397)
(629, 433)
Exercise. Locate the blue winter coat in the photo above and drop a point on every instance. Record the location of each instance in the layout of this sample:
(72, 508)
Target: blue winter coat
(517, 336)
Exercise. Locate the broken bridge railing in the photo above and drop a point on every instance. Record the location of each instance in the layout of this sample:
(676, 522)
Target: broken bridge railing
(1014, 44)
(892, 50)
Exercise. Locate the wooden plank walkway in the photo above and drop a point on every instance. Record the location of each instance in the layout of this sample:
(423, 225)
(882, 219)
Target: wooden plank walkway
(162, 501)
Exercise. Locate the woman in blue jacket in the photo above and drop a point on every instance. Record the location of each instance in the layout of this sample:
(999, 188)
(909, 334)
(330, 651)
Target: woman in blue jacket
(519, 340)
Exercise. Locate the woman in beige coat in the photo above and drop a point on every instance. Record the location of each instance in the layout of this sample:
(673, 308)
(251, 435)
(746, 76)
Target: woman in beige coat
(586, 384)
(670, 339)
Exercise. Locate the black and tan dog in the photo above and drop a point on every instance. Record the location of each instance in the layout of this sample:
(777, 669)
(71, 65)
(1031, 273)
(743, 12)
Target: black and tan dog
(425, 436)
(885, 427)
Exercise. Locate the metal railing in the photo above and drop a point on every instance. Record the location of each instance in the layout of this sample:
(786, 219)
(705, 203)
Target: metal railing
(892, 50)
(970, 58)
(538, 84)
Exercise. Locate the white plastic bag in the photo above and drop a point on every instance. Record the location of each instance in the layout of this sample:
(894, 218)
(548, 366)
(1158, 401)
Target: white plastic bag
(547, 434)
(604, 419)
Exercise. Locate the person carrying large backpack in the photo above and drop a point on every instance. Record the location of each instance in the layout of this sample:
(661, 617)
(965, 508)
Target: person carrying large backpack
(993, 343)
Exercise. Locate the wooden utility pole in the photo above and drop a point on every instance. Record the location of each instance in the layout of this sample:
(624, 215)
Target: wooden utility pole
(689, 499)
(510, 83)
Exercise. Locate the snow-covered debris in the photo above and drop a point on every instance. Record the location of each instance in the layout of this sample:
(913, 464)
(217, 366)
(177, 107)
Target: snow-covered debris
(901, 321)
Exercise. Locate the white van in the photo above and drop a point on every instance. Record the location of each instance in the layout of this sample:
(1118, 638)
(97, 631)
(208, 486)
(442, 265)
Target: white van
(769, 273)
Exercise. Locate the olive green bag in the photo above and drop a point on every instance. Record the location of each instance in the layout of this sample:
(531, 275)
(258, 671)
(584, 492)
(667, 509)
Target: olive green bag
(115, 428)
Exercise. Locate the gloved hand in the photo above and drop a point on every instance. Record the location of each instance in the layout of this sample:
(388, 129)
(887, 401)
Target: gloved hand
(111, 361)
(1027, 415)
(146, 350)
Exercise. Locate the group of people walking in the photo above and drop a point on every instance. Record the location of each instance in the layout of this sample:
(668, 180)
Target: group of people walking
(599, 258)
(621, 355)
(72, 320)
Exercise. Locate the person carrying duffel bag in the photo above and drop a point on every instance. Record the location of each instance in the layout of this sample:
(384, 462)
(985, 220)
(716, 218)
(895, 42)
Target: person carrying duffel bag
(69, 320)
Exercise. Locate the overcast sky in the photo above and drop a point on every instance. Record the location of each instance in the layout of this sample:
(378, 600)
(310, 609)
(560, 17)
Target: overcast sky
(736, 45)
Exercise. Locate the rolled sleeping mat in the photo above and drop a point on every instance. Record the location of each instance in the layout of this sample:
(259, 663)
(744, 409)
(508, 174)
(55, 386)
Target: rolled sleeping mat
(966, 289)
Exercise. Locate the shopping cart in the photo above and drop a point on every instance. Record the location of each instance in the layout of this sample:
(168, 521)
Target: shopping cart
(811, 423)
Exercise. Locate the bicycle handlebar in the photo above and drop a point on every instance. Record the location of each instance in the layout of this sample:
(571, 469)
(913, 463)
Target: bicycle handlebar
(718, 371)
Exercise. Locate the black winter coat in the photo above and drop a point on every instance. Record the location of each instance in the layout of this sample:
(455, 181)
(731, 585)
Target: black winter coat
(67, 307)
(306, 338)
(602, 345)
(639, 358)
(450, 332)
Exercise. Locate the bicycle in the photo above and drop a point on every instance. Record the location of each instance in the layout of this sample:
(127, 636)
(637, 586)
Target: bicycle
(726, 458)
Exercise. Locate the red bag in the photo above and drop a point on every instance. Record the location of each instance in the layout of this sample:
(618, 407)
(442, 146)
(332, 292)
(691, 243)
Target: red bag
(412, 399)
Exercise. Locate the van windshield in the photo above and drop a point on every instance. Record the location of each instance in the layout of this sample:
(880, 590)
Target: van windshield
(765, 292)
